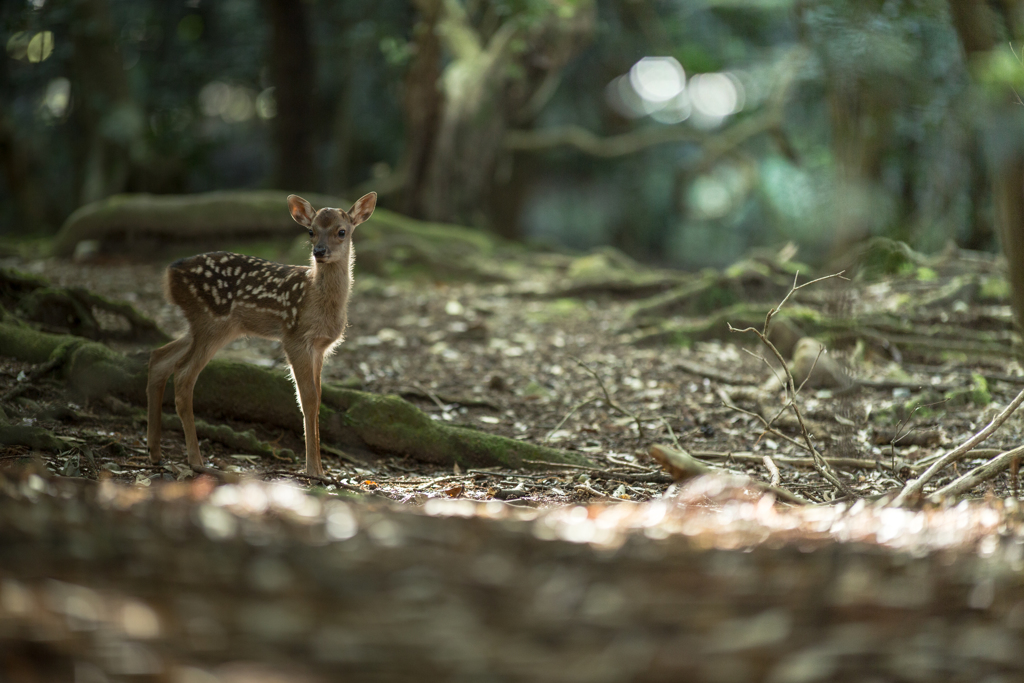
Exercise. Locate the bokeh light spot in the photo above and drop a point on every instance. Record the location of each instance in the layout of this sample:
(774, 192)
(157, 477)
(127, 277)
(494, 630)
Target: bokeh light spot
(657, 79)
(40, 47)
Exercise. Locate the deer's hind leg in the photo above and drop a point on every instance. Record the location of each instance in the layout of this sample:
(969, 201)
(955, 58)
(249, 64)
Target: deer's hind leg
(186, 371)
(161, 365)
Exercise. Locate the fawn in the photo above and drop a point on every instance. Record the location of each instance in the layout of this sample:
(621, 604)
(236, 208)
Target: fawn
(225, 296)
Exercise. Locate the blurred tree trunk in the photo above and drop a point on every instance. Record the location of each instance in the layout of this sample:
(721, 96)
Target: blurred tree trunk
(22, 177)
(20, 168)
(293, 72)
(110, 120)
(982, 28)
(422, 106)
(860, 100)
(456, 117)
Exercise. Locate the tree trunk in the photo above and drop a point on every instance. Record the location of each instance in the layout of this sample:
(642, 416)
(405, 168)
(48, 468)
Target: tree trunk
(978, 26)
(21, 173)
(111, 122)
(422, 107)
(457, 117)
(293, 72)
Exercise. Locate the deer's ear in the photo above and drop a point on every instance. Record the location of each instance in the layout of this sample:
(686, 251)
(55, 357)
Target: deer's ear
(302, 211)
(362, 209)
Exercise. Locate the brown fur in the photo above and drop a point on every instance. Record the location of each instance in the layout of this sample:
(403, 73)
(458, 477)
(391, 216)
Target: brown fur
(225, 296)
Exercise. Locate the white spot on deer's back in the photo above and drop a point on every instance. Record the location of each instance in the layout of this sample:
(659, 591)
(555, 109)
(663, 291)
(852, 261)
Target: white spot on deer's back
(223, 259)
(208, 274)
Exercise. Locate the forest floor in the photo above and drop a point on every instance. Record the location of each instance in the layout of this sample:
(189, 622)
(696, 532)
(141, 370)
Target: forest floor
(113, 568)
(541, 361)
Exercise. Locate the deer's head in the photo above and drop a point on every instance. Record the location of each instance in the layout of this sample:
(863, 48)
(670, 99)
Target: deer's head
(330, 230)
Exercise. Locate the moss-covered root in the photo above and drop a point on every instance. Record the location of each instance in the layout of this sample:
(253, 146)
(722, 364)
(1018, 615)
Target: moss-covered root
(244, 442)
(392, 425)
(74, 310)
(386, 424)
(32, 437)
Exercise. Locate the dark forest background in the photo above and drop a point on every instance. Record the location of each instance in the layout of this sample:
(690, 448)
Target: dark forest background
(683, 133)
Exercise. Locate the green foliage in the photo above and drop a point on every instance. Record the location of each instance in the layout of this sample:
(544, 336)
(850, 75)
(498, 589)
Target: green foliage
(977, 394)
(877, 128)
(994, 288)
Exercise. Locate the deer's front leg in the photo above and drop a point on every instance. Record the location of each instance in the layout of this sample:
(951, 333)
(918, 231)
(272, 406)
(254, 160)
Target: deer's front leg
(303, 364)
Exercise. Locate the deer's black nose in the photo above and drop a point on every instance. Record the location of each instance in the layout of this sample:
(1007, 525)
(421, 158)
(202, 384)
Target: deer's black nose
(319, 251)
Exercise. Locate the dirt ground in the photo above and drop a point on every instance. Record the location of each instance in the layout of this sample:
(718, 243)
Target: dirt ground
(500, 358)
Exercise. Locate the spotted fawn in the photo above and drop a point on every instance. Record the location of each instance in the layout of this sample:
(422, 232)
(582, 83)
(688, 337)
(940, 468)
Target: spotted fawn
(225, 296)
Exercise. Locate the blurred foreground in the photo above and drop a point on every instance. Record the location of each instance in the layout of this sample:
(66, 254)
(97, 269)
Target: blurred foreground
(196, 583)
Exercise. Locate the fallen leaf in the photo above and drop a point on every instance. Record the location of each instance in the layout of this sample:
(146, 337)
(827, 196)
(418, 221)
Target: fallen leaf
(454, 491)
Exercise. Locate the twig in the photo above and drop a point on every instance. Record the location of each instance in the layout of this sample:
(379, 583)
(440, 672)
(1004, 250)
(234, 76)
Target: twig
(764, 360)
(897, 437)
(767, 427)
(56, 358)
(338, 453)
(219, 475)
(431, 395)
(794, 461)
(313, 477)
(603, 496)
(672, 435)
(712, 374)
(609, 400)
(450, 477)
(515, 476)
(566, 418)
(773, 470)
(979, 474)
(630, 465)
(821, 465)
(914, 486)
(562, 464)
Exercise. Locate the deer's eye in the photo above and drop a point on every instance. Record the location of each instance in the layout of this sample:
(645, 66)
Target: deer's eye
(310, 233)
(341, 233)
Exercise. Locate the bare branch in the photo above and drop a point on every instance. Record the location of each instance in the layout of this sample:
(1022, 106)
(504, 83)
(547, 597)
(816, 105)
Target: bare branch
(772, 470)
(914, 486)
(978, 475)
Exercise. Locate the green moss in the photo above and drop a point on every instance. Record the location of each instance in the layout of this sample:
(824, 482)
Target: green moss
(386, 424)
(994, 288)
(32, 437)
(977, 394)
(26, 344)
(925, 274)
(885, 257)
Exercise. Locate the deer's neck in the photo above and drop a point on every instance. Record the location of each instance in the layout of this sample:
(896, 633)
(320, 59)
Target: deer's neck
(331, 284)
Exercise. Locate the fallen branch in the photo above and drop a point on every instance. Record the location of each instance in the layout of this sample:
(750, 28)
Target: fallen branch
(978, 475)
(773, 470)
(914, 486)
(680, 464)
(586, 488)
(794, 461)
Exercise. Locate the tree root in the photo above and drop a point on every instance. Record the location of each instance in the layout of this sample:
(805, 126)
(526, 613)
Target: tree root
(348, 418)
(73, 310)
(244, 442)
(33, 437)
